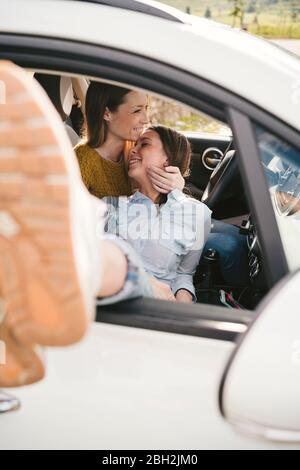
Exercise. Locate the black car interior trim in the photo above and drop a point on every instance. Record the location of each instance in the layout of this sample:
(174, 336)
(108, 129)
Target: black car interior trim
(263, 212)
(202, 320)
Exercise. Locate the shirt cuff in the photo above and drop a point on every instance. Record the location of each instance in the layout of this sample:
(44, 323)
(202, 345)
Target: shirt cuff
(181, 282)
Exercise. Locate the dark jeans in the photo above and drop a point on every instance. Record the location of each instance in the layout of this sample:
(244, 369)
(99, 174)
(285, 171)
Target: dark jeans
(233, 252)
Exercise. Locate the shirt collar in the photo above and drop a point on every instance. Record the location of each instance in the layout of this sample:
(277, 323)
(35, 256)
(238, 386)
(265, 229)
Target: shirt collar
(139, 197)
(175, 195)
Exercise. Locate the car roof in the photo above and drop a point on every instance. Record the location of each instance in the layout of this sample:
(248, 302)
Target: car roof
(235, 60)
(147, 7)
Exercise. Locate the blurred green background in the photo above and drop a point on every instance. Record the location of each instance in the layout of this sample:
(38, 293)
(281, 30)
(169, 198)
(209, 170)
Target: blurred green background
(268, 18)
(273, 19)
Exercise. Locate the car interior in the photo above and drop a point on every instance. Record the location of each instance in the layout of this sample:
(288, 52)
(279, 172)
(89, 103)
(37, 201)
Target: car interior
(214, 179)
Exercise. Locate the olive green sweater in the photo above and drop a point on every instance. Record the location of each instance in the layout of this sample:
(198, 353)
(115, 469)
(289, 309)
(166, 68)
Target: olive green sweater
(102, 177)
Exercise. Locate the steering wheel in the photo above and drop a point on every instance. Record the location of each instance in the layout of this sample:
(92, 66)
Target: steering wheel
(223, 179)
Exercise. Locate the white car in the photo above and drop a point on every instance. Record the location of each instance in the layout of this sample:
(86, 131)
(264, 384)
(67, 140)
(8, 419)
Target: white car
(151, 374)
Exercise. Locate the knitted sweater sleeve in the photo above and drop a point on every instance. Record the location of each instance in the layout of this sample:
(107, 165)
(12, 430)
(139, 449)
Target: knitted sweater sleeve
(85, 165)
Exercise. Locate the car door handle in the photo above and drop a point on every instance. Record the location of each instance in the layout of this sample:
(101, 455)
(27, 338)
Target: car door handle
(211, 158)
(213, 162)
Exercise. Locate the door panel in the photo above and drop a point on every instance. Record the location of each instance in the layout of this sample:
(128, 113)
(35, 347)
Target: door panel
(126, 388)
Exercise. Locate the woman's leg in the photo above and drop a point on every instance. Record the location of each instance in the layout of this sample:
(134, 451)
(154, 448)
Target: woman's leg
(232, 249)
(135, 282)
(53, 259)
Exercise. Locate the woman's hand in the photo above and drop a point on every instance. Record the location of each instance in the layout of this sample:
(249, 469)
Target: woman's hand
(185, 296)
(166, 180)
(161, 290)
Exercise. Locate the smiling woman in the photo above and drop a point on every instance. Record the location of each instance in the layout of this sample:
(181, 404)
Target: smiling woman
(121, 113)
(168, 233)
(114, 116)
(158, 146)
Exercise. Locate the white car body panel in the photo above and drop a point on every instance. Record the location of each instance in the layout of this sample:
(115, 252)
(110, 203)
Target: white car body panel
(215, 52)
(126, 388)
(268, 364)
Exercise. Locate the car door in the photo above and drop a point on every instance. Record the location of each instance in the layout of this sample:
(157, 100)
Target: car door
(147, 374)
(259, 393)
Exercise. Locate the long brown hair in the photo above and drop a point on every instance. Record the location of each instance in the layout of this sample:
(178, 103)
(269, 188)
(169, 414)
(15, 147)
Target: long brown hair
(178, 150)
(176, 146)
(99, 97)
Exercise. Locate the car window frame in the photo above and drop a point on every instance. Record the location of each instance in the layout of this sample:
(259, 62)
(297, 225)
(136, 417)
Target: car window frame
(129, 68)
(276, 267)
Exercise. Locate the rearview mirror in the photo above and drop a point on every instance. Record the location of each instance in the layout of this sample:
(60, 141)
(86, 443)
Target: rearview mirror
(260, 389)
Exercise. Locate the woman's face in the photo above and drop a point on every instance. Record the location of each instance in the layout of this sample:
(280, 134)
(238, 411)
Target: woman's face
(148, 151)
(131, 117)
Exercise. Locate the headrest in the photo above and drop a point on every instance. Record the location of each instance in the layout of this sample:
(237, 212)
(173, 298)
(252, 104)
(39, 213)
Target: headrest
(60, 91)
(66, 95)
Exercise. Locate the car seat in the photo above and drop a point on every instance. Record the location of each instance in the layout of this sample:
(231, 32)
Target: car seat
(60, 91)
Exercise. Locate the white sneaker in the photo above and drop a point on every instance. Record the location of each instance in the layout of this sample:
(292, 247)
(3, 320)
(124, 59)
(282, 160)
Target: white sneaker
(50, 258)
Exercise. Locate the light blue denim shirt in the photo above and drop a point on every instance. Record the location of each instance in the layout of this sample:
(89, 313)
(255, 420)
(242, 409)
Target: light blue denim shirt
(168, 238)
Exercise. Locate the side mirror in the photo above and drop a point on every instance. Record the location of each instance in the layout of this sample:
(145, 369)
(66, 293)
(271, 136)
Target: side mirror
(260, 390)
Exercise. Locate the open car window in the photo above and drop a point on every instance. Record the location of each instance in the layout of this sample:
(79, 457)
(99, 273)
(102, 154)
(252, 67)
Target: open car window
(211, 140)
(182, 118)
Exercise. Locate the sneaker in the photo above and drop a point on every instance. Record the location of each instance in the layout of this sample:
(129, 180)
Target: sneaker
(50, 226)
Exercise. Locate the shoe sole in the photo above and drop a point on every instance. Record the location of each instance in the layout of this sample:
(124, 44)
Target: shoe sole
(38, 278)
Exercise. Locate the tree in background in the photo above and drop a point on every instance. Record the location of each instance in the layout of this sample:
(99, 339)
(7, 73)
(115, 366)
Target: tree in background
(207, 13)
(258, 11)
(267, 18)
(238, 11)
(251, 8)
(295, 9)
